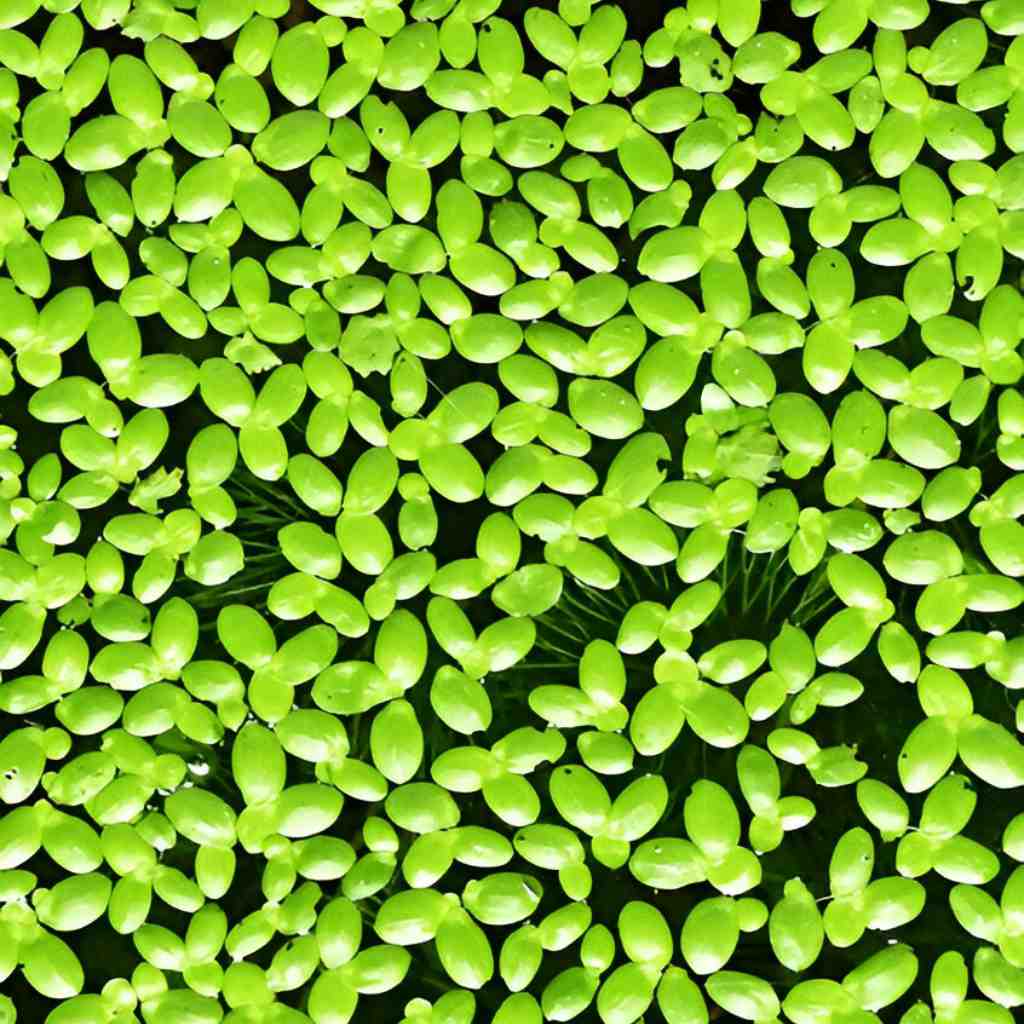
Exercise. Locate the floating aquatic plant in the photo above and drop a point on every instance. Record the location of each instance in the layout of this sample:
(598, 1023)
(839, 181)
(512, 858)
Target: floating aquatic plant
(511, 512)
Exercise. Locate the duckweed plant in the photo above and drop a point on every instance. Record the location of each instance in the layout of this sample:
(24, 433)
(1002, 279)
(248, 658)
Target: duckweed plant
(511, 512)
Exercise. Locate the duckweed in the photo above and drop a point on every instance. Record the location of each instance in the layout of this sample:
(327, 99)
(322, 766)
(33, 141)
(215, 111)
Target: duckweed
(511, 513)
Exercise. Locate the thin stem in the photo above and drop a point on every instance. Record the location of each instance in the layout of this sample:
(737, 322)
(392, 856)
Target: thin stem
(630, 579)
(650, 575)
(774, 604)
(554, 649)
(246, 489)
(436, 982)
(767, 578)
(269, 522)
(726, 579)
(535, 666)
(813, 588)
(569, 613)
(264, 494)
(601, 597)
(588, 611)
(548, 623)
(217, 596)
(814, 610)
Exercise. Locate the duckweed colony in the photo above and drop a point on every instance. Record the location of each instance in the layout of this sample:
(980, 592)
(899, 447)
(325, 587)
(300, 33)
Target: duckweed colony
(511, 513)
